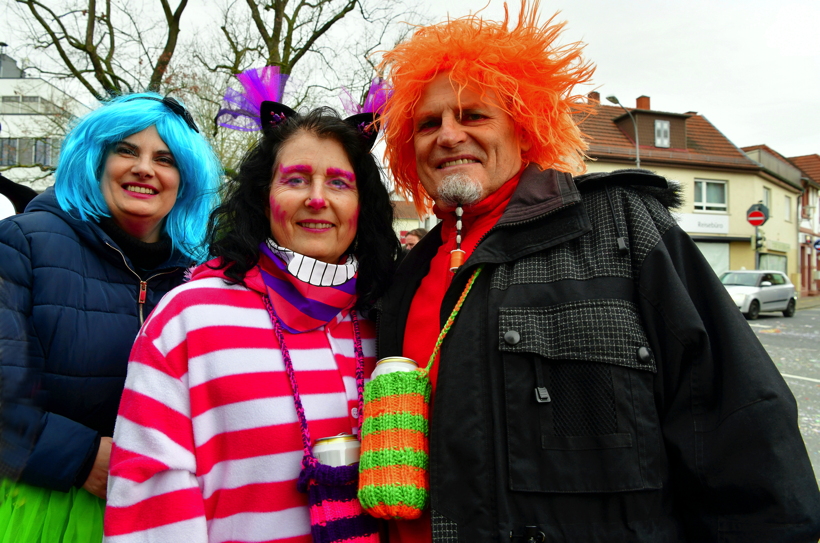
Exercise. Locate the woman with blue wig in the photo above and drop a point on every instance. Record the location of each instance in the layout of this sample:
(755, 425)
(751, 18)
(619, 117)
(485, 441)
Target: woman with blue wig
(81, 270)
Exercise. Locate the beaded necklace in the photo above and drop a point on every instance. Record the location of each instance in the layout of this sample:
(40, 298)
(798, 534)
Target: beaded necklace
(300, 411)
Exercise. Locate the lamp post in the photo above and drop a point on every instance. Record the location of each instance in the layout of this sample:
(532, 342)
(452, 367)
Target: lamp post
(614, 100)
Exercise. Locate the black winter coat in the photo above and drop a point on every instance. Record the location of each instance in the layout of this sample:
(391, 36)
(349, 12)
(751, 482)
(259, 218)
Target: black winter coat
(69, 304)
(599, 385)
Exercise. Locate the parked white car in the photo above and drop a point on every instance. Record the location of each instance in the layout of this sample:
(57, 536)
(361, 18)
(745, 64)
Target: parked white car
(754, 291)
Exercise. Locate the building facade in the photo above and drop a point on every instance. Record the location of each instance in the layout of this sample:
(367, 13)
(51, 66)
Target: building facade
(34, 116)
(809, 224)
(718, 180)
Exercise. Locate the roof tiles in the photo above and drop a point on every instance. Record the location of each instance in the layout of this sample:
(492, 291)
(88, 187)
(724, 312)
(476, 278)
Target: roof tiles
(809, 165)
(705, 144)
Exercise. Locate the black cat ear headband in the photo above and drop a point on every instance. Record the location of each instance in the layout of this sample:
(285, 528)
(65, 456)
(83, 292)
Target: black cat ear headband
(258, 105)
(367, 124)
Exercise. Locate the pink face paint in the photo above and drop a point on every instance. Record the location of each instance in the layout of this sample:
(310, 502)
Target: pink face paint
(353, 223)
(316, 203)
(279, 214)
(300, 168)
(338, 172)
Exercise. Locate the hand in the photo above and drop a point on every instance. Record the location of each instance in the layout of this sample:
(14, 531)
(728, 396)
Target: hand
(98, 478)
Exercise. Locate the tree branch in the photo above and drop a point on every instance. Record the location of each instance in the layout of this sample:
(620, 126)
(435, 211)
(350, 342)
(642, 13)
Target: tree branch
(173, 19)
(56, 41)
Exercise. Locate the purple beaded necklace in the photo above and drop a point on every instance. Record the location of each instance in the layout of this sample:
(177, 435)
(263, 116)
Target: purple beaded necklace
(297, 401)
(335, 512)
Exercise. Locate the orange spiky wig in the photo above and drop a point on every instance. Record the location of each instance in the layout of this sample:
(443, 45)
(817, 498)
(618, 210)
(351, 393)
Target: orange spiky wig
(532, 75)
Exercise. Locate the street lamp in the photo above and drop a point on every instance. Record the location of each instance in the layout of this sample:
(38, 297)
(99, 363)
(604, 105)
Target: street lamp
(614, 100)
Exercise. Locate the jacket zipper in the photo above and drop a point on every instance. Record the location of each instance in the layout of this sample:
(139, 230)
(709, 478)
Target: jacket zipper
(142, 293)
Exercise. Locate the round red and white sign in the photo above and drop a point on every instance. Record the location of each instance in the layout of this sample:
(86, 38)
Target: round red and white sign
(756, 218)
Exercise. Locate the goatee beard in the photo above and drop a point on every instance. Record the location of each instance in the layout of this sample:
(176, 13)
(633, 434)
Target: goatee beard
(458, 189)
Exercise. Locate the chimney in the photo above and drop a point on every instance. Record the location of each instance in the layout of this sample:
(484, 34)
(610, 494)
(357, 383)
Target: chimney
(594, 97)
(643, 102)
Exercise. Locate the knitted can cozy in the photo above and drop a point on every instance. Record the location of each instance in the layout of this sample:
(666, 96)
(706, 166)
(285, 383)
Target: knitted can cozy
(393, 482)
(335, 513)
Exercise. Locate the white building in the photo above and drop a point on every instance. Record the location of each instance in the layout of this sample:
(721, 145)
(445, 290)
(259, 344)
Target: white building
(809, 216)
(34, 117)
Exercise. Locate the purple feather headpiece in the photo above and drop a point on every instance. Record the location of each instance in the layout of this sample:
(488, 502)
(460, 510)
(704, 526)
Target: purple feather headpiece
(241, 110)
(377, 96)
(365, 117)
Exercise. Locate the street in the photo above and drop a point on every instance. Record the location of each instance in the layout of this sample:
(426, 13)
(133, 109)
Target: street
(794, 345)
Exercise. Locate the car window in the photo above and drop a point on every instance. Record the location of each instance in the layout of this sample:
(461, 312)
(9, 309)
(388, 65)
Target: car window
(778, 279)
(742, 279)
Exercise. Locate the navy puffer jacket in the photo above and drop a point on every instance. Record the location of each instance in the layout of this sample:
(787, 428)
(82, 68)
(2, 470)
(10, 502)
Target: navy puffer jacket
(71, 298)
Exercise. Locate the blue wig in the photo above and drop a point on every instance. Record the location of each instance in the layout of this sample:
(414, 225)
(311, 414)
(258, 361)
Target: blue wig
(85, 150)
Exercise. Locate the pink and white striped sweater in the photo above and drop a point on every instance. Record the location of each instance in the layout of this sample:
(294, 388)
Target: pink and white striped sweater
(207, 445)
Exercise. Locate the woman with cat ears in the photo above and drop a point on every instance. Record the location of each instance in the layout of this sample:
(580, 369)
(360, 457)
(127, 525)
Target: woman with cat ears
(238, 373)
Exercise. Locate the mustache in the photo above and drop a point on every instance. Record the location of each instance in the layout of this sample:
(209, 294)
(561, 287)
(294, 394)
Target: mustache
(459, 189)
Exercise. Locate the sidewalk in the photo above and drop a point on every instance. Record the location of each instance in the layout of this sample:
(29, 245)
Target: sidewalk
(808, 302)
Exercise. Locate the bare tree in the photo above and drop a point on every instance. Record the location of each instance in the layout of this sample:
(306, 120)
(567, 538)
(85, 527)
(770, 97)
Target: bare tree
(322, 44)
(109, 47)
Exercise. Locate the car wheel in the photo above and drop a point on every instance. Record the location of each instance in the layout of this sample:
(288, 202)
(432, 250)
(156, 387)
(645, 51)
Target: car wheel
(754, 310)
(789, 312)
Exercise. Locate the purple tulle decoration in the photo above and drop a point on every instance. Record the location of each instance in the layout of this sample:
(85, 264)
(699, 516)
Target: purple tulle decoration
(240, 110)
(377, 95)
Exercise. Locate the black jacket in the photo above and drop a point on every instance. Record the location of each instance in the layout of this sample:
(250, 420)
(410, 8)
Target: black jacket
(70, 313)
(662, 418)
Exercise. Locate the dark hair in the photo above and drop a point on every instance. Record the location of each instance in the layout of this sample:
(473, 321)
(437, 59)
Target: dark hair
(240, 224)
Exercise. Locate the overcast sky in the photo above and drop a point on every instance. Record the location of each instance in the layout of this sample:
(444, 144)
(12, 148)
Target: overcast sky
(752, 67)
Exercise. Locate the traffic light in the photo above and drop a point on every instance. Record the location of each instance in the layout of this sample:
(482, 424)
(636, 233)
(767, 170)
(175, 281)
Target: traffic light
(760, 240)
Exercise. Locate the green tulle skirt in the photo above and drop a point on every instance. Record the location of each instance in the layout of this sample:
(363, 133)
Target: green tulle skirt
(30, 514)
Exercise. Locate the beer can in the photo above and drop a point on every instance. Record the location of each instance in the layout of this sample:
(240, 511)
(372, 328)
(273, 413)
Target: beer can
(391, 364)
(340, 450)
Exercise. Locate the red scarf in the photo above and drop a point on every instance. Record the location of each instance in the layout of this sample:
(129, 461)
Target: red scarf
(423, 322)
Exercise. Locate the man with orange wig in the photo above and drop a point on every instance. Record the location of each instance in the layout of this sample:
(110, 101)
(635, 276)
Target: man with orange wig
(598, 384)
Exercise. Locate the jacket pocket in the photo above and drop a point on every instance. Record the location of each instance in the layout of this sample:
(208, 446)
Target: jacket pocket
(580, 411)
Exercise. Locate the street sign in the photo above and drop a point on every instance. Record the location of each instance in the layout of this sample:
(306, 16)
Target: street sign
(757, 213)
(756, 218)
(817, 244)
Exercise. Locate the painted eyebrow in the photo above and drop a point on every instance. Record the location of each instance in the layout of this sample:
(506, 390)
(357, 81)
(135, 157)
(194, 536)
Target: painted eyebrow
(300, 168)
(338, 172)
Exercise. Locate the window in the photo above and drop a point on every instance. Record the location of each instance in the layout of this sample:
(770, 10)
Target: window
(10, 104)
(716, 254)
(25, 152)
(710, 195)
(767, 198)
(29, 151)
(787, 208)
(56, 144)
(8, 152)
(42, 152)
(28, 105)
(661, 133)
(804, 204)
(769, 261)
